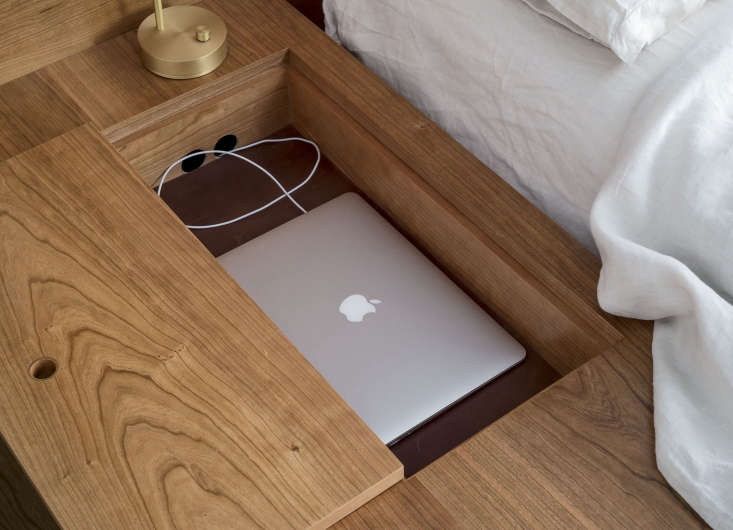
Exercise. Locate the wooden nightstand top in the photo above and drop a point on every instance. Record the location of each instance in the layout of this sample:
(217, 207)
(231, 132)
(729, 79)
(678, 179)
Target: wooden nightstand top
(156, 418)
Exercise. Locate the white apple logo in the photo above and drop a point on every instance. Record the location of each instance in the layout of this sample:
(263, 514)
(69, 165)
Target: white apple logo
(356, 306)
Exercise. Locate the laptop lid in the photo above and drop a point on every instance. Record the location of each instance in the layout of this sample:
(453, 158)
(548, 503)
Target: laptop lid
(396, 338)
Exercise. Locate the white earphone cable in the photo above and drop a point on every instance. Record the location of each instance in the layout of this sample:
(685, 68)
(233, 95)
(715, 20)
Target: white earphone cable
(233, 152)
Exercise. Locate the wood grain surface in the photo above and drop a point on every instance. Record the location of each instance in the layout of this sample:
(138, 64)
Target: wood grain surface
(578, 455)
(176, 400)
(33, 109)
(253, 108)
(407, 505)
(113, 91)
(109, 83)
(39, 32)
(193, 97)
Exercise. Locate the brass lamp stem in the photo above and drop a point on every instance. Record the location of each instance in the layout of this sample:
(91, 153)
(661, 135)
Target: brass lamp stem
(159, 14)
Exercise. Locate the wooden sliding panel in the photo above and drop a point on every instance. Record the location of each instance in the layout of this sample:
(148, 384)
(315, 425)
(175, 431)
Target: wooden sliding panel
(39, 32)
(34, 109)
(176, 402)
(251, 104)
(580, 454)
(109, 83)
(534, 314)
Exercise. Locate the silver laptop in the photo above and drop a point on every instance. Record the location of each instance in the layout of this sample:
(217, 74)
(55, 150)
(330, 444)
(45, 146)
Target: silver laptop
(397, 339)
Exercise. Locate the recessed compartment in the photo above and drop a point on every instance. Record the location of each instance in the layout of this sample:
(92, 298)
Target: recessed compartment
(276, 98)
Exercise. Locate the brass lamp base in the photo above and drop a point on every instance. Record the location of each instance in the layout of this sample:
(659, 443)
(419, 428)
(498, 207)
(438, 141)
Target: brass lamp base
(192, 43)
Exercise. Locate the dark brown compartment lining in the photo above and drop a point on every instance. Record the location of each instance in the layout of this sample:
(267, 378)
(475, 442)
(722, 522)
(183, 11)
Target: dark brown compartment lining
(313, 9)
(227, 187)
(21, 507)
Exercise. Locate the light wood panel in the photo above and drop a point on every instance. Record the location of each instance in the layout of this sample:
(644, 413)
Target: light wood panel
(535, 315)
(34, 109)
(176, 401)
(580, 454)
(110, 84)
(39, 32)
(123, 99)
(254, 106)
(214, 89)
(565, 462)
(406, 505)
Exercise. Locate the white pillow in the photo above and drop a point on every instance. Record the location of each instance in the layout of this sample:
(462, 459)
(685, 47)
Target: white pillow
(625, 26)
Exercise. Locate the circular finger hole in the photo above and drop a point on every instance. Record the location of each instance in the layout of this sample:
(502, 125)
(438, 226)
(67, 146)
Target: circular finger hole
(225, 143)
(193, 162)
(43, 368)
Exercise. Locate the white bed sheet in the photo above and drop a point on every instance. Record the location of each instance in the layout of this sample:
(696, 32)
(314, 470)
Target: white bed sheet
(649, 147)
(543, 107)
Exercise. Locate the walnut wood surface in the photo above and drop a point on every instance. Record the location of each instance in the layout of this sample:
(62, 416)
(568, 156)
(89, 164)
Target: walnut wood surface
(177, 403)
(196, 96)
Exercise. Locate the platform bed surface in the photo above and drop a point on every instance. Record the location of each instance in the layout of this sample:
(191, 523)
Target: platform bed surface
(165, 411)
